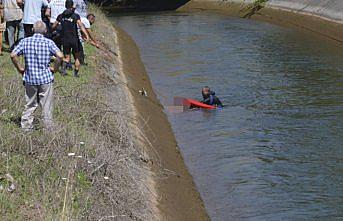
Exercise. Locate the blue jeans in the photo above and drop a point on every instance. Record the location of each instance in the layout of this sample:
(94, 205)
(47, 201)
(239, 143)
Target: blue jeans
(12, 26)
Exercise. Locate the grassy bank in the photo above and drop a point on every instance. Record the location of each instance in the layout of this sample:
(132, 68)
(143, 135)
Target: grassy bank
(89, 167)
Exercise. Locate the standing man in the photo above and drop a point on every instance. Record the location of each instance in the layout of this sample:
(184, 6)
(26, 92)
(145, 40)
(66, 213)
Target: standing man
(70, 21)
(55, 8)
(37, 74)
(13, 16)
(32, 13)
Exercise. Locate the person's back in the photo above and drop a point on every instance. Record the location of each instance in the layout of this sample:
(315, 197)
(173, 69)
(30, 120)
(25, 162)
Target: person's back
(57, 7)
(32, 10)
(68, 20)
(37, 51)
(81, 7)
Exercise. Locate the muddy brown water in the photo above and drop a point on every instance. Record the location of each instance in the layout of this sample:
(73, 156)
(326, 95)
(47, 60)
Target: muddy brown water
(275, 151)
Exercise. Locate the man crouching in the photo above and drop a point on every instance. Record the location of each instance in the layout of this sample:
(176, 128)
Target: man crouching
(37, 74)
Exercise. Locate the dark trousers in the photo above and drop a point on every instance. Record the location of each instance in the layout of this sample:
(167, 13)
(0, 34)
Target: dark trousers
(81, 53)
(56, 36)
(28, 29)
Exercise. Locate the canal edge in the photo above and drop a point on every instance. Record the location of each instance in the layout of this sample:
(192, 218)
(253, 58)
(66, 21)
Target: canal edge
(173, 192)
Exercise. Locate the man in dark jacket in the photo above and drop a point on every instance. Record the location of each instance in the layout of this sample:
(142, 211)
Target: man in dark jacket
(210, 98)
(70, 21)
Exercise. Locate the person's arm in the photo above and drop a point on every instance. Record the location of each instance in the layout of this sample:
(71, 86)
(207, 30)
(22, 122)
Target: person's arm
(206, 101)
(57, 63)
(83, 29)
(54, 50)
(15, 61)
(17, 51)
(48, 12)
(54, 26)
(92, 38)
(218, 102)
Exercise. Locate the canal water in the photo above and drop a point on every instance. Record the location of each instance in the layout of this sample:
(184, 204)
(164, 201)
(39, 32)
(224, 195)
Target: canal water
(275, 151)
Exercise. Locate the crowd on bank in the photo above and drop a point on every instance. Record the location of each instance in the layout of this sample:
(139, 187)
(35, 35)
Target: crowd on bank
(66, 21)
(39, 30)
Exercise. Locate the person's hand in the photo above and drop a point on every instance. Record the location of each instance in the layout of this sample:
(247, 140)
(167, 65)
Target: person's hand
(52, 69)
(97, 45)
(21, 71)
(86, 39)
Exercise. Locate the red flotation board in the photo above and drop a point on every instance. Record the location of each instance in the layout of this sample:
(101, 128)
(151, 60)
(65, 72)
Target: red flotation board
(197, 104)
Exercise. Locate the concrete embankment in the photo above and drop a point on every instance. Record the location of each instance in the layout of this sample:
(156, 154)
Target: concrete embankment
(321, 17)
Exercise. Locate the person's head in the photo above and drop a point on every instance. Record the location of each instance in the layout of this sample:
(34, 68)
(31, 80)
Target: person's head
(39, 27)
(69, 4)
(206, 91)
(91, 18)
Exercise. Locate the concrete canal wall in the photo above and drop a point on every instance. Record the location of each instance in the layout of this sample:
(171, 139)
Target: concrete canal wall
(328, 9)
(321, 17)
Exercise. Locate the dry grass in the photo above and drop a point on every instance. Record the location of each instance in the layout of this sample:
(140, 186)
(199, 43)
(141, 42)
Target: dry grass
(105, 180)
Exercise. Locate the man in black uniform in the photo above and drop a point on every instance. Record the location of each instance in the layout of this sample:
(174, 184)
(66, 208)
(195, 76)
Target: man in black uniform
(69, 22)
(210, 98)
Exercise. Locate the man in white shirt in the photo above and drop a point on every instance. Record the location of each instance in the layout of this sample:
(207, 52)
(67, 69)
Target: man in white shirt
(87, 22)
(55, 8)
(13, 16)
(81, 7)
(32, 13)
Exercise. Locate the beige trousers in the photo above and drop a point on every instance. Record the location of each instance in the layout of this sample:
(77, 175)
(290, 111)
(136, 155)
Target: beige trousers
(35, 95)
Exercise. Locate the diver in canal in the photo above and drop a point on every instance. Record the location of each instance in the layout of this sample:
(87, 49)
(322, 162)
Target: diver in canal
(210, 98)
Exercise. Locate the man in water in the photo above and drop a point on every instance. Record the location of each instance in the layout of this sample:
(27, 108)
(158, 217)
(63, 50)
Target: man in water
(210, 98)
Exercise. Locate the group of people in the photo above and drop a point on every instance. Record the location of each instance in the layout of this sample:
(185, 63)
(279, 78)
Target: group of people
(67, 21)
(39, 30)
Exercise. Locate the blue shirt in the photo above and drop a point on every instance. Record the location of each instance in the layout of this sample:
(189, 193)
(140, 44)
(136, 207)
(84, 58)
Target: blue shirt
(33, 11)
(37, 51)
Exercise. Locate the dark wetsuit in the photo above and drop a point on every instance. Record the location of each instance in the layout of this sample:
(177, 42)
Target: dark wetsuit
(212, 99)
(70, 37)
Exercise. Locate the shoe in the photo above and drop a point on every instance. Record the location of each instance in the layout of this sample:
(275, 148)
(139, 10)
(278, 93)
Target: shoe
(76, 73)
